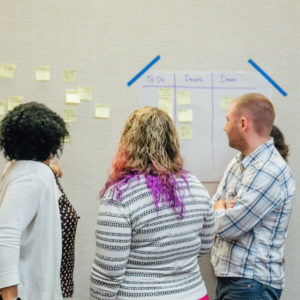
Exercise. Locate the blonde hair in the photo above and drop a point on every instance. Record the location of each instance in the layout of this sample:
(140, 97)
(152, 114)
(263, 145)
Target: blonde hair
(149, 145)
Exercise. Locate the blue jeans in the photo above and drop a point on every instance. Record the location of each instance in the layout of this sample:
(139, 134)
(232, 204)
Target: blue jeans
(235, 288)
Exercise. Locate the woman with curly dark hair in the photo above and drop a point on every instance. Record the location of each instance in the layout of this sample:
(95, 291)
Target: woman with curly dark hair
(32, 223)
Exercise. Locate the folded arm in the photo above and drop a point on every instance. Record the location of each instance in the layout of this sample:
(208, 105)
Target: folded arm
(259, 195)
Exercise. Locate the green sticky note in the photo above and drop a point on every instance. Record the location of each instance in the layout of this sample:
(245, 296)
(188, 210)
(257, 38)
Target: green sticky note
(101, 111)
(69, 75)
(42, 73)
(185, 132)
(14, 101)
(7, 71)
(225, 102)
(69, 115)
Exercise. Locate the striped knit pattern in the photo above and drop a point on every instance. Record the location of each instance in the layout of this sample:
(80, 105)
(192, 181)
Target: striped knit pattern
(145, 253)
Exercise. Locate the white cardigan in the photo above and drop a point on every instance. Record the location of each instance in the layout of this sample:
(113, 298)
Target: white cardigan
(30, 231)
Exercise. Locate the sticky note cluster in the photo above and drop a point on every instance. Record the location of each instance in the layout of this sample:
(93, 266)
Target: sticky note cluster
(185, 115)
(165, 100)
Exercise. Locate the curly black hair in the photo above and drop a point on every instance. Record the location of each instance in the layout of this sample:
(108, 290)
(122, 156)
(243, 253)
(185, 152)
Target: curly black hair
(32, 131)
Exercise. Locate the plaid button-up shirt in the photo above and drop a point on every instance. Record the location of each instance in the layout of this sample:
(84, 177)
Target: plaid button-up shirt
(251, 235)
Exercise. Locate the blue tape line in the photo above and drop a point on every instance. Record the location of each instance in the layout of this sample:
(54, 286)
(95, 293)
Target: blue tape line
(137, 76)
(263, 73)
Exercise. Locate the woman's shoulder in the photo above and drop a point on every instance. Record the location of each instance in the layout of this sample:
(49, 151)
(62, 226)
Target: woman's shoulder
(196, 187)
(189, 178)
(29, 170)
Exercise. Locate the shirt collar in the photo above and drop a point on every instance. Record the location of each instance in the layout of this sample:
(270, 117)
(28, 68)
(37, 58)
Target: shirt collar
(260, 152)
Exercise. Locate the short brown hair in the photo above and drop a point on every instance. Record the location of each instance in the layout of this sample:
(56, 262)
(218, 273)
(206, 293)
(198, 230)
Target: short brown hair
(261, 111)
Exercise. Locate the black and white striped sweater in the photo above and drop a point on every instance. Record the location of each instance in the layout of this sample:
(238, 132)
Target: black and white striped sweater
(142, 253)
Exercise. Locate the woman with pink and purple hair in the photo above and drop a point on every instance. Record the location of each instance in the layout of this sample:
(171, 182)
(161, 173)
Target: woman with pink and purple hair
(155, 219)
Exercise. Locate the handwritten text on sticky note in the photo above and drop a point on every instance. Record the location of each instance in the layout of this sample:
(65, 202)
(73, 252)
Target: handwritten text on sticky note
(165, 100)
(185, 132)
(69, 115)
(183, 97)
(85, 93)
(69, 75)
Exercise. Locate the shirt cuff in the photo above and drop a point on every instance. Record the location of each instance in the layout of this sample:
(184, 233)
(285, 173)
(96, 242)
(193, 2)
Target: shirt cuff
(219, 212)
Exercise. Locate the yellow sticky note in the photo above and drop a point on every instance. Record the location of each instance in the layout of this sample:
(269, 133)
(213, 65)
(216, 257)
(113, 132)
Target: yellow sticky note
(69, 75)
(85, 93)
(72, 96)
(185, 115)
(165, 94)
(13, 102)
(101, 111)
(165, 100)
(7, 71)
(68, 138)
(185, 132)
(69, 115)
(42, 73)
(225, 102)
(183, 97)
(2, 107)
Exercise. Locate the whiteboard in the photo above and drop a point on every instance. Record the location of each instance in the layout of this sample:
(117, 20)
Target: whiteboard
(207, 153)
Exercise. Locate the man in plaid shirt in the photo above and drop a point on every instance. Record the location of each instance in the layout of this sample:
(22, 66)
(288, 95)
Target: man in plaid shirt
(253, 205)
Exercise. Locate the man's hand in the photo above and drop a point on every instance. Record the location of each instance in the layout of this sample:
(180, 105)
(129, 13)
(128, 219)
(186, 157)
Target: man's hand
(232, 203)
(221, 204)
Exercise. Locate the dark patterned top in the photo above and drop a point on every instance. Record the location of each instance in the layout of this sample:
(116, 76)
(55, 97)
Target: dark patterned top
(69, 219)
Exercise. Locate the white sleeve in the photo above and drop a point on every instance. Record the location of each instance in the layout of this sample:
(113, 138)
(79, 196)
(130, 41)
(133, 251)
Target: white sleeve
(19, 206)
